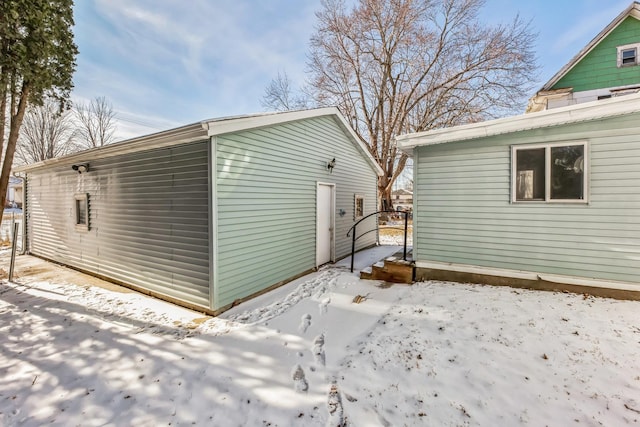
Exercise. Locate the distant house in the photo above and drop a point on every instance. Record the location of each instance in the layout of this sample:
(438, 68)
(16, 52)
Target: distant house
(211, 213)
(546, 200)
(609, 66)
(14, 193)
(402, 199)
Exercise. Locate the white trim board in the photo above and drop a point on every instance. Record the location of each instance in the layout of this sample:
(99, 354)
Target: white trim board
(236, 124)
(182, 135)
(588, 111)
(209, 128)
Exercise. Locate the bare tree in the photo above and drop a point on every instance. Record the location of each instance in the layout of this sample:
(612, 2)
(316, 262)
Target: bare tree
(46, 133)
(398, 66)
(96, 122)
(280, 95)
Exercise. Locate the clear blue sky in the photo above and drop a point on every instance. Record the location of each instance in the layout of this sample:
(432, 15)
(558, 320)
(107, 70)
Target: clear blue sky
(164, 63)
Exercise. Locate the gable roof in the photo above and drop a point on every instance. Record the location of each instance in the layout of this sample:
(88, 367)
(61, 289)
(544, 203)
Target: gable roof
(207, 128)
(238, 123)
(577, 113)
(632, 10)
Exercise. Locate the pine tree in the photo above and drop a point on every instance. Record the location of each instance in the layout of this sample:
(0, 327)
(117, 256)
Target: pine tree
(37, 61)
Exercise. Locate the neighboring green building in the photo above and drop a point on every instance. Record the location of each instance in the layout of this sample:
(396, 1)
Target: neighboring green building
(211, 213)
(545, 200)
(608, 66)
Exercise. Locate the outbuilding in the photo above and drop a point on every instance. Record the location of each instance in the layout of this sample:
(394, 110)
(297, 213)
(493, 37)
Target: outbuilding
(209, 214)
(544, 200)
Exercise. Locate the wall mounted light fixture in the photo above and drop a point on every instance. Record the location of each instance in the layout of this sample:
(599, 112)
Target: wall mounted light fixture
(81, 168)
(331, 165)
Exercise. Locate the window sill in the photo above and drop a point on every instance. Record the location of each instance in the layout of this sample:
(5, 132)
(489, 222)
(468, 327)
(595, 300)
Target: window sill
(550, 202)
(82, 228)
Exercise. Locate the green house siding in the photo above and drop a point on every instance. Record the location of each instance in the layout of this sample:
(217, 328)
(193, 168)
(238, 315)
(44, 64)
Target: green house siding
(266, 183)
(147, 212)
(464, 215)
(598, 69)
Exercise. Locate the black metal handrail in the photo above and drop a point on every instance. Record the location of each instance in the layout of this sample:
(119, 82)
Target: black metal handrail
(354, 238)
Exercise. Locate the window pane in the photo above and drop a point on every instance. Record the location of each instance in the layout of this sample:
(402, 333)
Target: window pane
(629, 56)
(81, 212)
(530, 174)
(567, 172)
(359, 207)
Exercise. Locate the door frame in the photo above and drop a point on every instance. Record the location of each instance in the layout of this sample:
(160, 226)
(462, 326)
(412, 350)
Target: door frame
(332, 222)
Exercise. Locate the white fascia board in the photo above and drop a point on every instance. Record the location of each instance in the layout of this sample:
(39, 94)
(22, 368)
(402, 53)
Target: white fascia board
(359, 143)
(529, 275)
(235, 124)
(558, 116)
(219, 127)
(190, 133)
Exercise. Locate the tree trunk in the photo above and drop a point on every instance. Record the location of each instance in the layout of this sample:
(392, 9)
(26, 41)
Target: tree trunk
(3, 115)
(16, 122)
(386, 202)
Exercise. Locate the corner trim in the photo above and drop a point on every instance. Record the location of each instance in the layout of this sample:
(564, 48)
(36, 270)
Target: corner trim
(214, 290)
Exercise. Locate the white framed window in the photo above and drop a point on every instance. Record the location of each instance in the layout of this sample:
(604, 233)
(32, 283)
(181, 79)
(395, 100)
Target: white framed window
(549, 173)
(81, 211)
(628, 55)
(358, 207)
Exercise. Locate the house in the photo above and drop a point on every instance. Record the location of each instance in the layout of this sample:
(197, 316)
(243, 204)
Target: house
(402, 199)
(209, 214)
(543, 200)
(14, 193)
(608, 66)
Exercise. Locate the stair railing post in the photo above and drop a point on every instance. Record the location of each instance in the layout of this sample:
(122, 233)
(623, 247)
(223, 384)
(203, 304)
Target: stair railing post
(353, 246)
(406, 225)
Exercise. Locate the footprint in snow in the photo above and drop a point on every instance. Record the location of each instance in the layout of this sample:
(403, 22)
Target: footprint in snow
(299, 381)
(334, 406)
(323, 305)
(318, 349)
(304, 324)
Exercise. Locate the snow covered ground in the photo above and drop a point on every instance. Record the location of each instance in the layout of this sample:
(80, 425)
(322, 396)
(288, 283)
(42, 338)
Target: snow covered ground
(393, 234)
(76, 351)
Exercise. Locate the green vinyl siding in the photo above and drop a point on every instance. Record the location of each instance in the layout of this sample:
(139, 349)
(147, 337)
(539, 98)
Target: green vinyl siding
(266, 201)
(598, 69)
(148, 223)
(464, 214)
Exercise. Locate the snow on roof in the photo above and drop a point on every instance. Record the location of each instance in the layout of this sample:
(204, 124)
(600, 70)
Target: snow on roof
(584, 112)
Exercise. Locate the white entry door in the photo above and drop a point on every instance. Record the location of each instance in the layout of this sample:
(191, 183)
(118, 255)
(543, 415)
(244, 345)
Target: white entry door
(325, 223)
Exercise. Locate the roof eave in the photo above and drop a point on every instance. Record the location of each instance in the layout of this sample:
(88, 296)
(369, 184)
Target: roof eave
(203, 130)
(220, 127)
(572, 114)
(181, 135)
